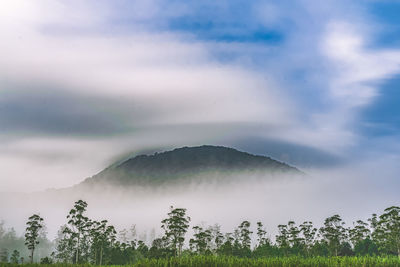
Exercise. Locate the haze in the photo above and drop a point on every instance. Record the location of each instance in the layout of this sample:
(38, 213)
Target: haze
(84, 84)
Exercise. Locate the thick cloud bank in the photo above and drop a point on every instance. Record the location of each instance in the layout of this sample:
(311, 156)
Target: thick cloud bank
(84, 84)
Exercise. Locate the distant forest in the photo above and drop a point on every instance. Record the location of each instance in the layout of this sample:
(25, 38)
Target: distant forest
(83, 240)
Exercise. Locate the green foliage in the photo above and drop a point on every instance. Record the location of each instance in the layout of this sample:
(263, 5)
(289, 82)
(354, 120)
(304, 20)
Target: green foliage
(185, 162)
(282, 239)
(46, 260)
(64, 246)
(262, 238)
(333, 234)
(10, 241)
(102, 237)
(34, 224)
(366, 247)
(387, 230)
(309, 234)
(3, 255)
(229, 261)
(244, 235)
(175, 228)
(201, 241)
(77, 229)
(86, 241)
(222, 261)
(359, 232)
(15, 256)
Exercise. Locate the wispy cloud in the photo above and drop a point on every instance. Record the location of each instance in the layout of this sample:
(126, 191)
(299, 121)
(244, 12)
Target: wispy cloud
(113, 77)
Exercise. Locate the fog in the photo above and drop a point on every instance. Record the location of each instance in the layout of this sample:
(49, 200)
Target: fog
(354, 192)
(85, 84)
(89, 88)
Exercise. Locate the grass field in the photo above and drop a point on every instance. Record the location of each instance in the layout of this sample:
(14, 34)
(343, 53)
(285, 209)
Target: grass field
(217, 261)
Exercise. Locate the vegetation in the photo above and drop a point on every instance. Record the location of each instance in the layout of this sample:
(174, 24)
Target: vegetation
(183, 163)
(230, 261)
(85, 241)
(34, 225)
(175, 227)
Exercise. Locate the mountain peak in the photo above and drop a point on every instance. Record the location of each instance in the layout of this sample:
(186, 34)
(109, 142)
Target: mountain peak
(185, 162)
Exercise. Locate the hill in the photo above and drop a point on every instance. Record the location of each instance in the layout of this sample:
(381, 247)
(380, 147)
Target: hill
(185, 162)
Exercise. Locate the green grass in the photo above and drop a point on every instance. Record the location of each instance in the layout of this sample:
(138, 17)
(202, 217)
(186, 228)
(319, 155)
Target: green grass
(220, 261)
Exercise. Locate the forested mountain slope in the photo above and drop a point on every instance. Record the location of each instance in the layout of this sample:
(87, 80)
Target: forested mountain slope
(185, 162)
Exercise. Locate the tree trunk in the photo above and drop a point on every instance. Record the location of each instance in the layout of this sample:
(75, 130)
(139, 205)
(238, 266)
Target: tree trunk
(101, 255)
(32, 255)
(77, 249)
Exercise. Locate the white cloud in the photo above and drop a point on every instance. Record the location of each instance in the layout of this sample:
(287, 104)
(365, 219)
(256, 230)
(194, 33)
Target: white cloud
(70, 47)
(156, 69)
(356, 69)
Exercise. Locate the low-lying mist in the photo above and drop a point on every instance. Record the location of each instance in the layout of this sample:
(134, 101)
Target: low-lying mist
(271, 199)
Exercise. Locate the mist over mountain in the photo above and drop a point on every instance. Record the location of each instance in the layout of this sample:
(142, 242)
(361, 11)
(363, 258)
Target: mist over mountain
(182, 164)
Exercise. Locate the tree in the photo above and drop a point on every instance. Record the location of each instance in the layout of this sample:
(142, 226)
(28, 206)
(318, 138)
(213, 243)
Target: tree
(175, 228)
(3, 255)
(333, 233)
(366, 247)
(46, 260)
(345, 249)
(217, 236)
(103, 236)
(160, 248)
(245, 234)
(64, 245)
(359, 232)
(10, 241)
(142, 248)
(387, 230)
(15, 256)
(309, 233)
(282, 239)
(295, 241)
(262, 238)
(201, 241)
(34, 224)
(78, 226)
(227, 246)
(264, 246)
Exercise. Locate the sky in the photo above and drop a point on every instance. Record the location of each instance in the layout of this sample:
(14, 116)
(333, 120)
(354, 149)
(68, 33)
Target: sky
(86, 83)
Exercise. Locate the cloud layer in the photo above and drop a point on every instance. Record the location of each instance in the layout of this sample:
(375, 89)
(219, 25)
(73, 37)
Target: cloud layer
(84, 82)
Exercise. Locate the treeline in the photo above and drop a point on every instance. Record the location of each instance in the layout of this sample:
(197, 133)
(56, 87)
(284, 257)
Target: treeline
(13, 248)
(83, 240)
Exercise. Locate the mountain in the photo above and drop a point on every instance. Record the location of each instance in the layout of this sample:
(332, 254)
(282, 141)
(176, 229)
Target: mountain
(183, 163)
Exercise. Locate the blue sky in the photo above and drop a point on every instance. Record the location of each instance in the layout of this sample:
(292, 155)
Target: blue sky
(312, 83)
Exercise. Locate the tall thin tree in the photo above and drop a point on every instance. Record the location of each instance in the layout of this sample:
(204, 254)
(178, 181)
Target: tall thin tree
(175, 227)
(34, 224)
(78, 225)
